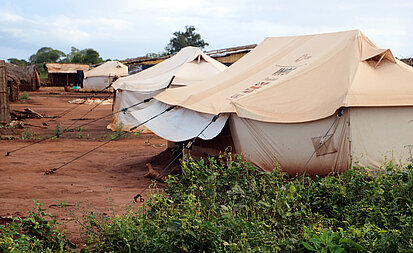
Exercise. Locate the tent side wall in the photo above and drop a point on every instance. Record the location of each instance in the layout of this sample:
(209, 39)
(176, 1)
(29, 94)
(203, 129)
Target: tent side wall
(381, 134)
(294, 144)
(124, 99)
(96, 83)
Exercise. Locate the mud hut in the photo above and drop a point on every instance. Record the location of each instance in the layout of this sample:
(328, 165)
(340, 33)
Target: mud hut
(21, 78)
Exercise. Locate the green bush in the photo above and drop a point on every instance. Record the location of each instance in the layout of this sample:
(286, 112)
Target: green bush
(24, 96)
(28, 134)
(59, 131)
(227, 205)
(230, 206)
(37, 233)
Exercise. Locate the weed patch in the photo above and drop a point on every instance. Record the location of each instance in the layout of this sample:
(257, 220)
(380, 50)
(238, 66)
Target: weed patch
(58, 130)
(24, 96)
(27, 134)
(37, 233)
(228, 205)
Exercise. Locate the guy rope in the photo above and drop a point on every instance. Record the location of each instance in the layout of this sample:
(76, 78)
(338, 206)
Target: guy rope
(188, 145)
(103, 144)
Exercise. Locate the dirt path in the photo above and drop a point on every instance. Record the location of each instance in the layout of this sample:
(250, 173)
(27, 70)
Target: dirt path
(115, 170)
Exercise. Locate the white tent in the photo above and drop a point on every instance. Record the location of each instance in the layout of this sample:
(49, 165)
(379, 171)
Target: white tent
(100, 77)
(311, 103)
(188, 67)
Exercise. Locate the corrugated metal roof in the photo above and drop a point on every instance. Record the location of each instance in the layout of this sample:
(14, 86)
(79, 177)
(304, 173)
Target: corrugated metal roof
(65, 67)
(213, 54)
(230, 51)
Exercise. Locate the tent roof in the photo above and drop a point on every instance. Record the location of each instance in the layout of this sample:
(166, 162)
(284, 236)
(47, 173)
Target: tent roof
(65, 67)
(302, 78)
(189, 66)
(110, 68)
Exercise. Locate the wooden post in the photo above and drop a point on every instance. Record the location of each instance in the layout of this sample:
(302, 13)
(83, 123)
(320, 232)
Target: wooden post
(4, 98)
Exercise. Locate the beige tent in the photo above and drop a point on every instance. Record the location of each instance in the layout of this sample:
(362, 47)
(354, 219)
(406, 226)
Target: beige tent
(313, 103)
(100, 77)
(188, 67)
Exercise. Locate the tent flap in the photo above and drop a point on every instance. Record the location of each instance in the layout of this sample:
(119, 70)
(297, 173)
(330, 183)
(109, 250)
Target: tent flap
(179, 124)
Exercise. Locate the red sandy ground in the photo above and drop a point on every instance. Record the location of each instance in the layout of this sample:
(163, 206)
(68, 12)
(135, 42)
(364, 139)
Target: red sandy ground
(114, 171)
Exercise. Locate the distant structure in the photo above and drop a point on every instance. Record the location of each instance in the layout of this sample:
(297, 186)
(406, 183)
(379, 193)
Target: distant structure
(63, 74)
(408, 61)
(226, 56)
(21, 78)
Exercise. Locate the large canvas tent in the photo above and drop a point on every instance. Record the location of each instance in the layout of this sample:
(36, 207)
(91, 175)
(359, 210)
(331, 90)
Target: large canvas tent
(188, 67)
(311, 103)
(100, 77)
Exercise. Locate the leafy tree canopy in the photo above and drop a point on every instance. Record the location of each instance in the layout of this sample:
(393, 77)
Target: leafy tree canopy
(73, 52)
(88, 56)
(47, 54)
(91, 56)
(184, 39)
(21, 62)
(156, 55)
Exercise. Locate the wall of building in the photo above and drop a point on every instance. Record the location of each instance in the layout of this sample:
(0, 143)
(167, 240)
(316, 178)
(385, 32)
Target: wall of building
(61, 79)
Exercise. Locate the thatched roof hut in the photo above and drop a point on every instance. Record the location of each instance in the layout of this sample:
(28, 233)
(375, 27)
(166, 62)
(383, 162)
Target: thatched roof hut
(21, 78)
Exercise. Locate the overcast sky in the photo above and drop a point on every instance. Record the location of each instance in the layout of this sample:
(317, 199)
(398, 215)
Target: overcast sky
(121, 29)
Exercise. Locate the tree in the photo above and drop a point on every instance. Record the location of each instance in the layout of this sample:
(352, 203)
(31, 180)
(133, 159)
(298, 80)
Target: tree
(184, 39)
(18, 62)
(74, 52)
(156, 55)
(91, 56)
(47, 54)
(88, 55)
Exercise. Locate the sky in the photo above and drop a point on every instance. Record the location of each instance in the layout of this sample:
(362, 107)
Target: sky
(121, 29)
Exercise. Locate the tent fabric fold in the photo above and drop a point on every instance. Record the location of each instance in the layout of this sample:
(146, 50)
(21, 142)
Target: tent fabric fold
(180, 124)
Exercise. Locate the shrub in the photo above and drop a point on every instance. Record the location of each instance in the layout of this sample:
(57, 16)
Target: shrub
(37, 233)
(24, 96)
(119, 133)
(28, 134)
(59, 130)
(230, 206)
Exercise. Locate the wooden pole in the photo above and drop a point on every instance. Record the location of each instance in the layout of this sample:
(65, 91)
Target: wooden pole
(4, 98)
